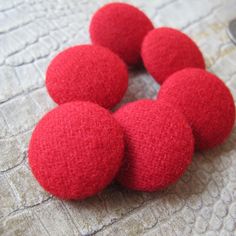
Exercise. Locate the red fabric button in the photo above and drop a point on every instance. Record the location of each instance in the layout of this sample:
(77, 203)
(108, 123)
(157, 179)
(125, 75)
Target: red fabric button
(87, 73)
(159, 145)
(76, 149)
(120, 27)
(205, 101)
(166, 50)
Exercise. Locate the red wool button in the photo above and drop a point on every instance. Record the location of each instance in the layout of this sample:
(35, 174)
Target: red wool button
(205, 101)
(166, 50)
(87, 73)
(76, 149)
(159, 145)
(120, 27)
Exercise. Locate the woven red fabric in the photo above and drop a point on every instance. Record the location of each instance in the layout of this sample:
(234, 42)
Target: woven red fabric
(120, 27)
(205, 101)
(159, 145)
(76, 150)
(166, 50)
(87, 73)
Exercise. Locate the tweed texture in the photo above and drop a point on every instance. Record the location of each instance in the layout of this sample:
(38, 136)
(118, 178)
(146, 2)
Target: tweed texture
(166, 50)
(87, 73)
(159, 145)
(120, 27)
(76, 150)
(205, 101)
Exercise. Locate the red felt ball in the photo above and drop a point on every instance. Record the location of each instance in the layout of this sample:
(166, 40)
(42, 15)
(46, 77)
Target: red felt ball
(159, 145)
(87, 73)
(120, 27)
(166, 50)
(205, 101)
(76, 149)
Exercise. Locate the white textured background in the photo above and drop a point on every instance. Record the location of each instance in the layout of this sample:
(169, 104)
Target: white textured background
(203, 202)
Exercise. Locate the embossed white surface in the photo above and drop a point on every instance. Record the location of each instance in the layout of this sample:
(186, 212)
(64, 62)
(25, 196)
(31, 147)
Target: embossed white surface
(203, 202)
